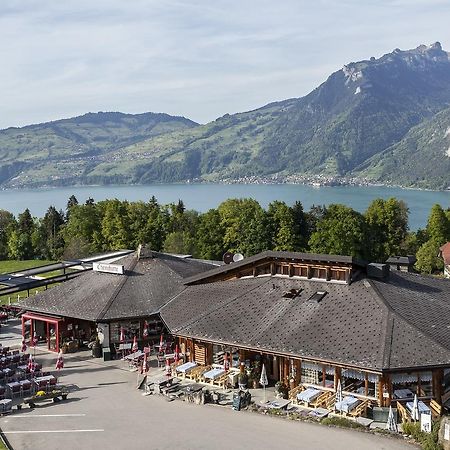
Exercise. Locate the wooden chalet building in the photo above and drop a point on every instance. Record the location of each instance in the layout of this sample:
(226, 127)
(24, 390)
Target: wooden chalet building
(318, 319)
(311, 319)
(105, 302)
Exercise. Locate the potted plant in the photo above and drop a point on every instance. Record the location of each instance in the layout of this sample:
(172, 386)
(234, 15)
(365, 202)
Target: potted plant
(242, 380)
(280, 390)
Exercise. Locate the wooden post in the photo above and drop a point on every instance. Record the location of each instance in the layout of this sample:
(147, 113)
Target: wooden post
(380, 390)
(337, 377)
(324, 375)
(437, 376)
(366, 384)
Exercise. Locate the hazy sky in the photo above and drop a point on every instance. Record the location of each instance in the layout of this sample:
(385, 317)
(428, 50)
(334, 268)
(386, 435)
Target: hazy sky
(196, 58)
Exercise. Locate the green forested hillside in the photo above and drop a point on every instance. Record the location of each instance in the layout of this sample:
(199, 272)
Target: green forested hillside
(420, 159)
(64, 150)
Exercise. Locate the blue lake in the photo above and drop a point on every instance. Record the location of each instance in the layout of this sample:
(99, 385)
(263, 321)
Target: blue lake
(202, 197)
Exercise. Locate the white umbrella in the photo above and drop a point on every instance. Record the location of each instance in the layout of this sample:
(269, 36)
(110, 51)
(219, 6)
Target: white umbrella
(263, 381)
(391, 423)
(415, 409)
(339, 396)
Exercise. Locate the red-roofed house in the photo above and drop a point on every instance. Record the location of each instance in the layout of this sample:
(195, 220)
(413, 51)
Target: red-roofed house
(444, 253)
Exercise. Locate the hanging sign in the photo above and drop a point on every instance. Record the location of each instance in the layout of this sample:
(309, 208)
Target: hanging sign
(107, 268)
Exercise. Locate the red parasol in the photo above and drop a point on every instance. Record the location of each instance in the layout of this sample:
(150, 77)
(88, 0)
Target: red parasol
(177, 354)
(122, 335)
(60, 361)
(145, 330)
(226, 363)
(134, 348)
(24, 346)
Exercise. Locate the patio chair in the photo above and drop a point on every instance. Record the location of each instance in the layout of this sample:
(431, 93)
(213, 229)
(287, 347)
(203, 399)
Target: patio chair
(15, 352)
(16, 391)
(26, 388)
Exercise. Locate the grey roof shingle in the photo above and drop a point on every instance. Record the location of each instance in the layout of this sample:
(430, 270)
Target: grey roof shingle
(148, 284)
(371, 324)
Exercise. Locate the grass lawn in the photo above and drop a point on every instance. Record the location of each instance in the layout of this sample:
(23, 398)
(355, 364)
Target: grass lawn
(14, 266)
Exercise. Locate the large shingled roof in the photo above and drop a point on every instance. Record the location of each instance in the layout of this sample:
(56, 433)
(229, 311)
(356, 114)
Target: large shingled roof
(148, 283)
(373, 324)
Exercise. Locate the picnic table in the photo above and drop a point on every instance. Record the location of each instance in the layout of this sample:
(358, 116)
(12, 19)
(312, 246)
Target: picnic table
(403, 393)
(423, 408)
(186, 367)
(213, 373)
(308, 395)
(136, 356)
(347, 404)
(277, 404)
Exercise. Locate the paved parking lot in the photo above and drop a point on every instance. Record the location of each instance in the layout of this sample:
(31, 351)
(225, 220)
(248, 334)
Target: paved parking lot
(106, 411)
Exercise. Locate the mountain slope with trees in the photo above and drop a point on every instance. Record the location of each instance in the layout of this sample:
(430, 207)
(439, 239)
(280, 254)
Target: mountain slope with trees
(368, 120)
(64, 150)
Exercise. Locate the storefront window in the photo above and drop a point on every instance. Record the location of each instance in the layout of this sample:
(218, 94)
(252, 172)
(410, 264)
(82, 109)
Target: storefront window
(130, 329)
(312, 373)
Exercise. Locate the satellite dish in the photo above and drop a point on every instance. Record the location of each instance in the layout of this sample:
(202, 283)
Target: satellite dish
(228, 257)
(238, 257)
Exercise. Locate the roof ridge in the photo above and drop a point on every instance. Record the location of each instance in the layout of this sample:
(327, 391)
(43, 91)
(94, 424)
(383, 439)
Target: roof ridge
(392, 315)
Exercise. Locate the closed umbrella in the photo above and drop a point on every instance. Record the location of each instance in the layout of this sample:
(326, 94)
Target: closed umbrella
(391, 423)
(144, 367)
(24, 346)
(263, 381)
(135, 345)
(31, 363)
(415, 408)
(59, 361)
(161, 343)
(122, 335)
(226, 362)
(145, 330)
(177, 354)
(339, 396)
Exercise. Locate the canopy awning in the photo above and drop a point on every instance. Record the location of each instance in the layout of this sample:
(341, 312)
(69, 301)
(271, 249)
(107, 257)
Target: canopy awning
(49, 319)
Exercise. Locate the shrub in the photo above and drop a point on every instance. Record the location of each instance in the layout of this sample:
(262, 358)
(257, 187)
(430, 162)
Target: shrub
(341, 422)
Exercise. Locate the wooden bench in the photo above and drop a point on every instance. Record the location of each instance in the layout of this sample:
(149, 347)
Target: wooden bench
(404, 414)
(361, 408)
(321, 400)
(436, 408)
(293, 393)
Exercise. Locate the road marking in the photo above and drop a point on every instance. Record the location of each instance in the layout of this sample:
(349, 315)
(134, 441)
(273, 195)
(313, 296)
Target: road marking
(46, 415)
(51, 431)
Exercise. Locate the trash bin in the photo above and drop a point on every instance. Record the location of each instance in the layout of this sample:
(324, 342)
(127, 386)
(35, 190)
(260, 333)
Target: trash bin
(106, 354)
(237, 401)
(97, 350)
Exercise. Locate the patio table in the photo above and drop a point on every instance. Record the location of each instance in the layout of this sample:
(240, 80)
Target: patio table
(186, 367)
(347, 404)
(403, 393)
(277, 404)
(214, 373)
(423, 408)
(135, 356)
(308, 395)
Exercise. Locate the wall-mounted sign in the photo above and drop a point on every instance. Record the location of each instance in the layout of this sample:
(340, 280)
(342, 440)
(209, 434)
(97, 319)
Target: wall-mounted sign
(108, 268)
(425, 422)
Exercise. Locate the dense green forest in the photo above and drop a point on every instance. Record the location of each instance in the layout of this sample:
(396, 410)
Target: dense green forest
(235, 225)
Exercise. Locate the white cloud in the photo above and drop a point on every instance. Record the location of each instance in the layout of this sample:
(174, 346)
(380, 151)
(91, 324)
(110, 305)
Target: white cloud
(200, 59)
